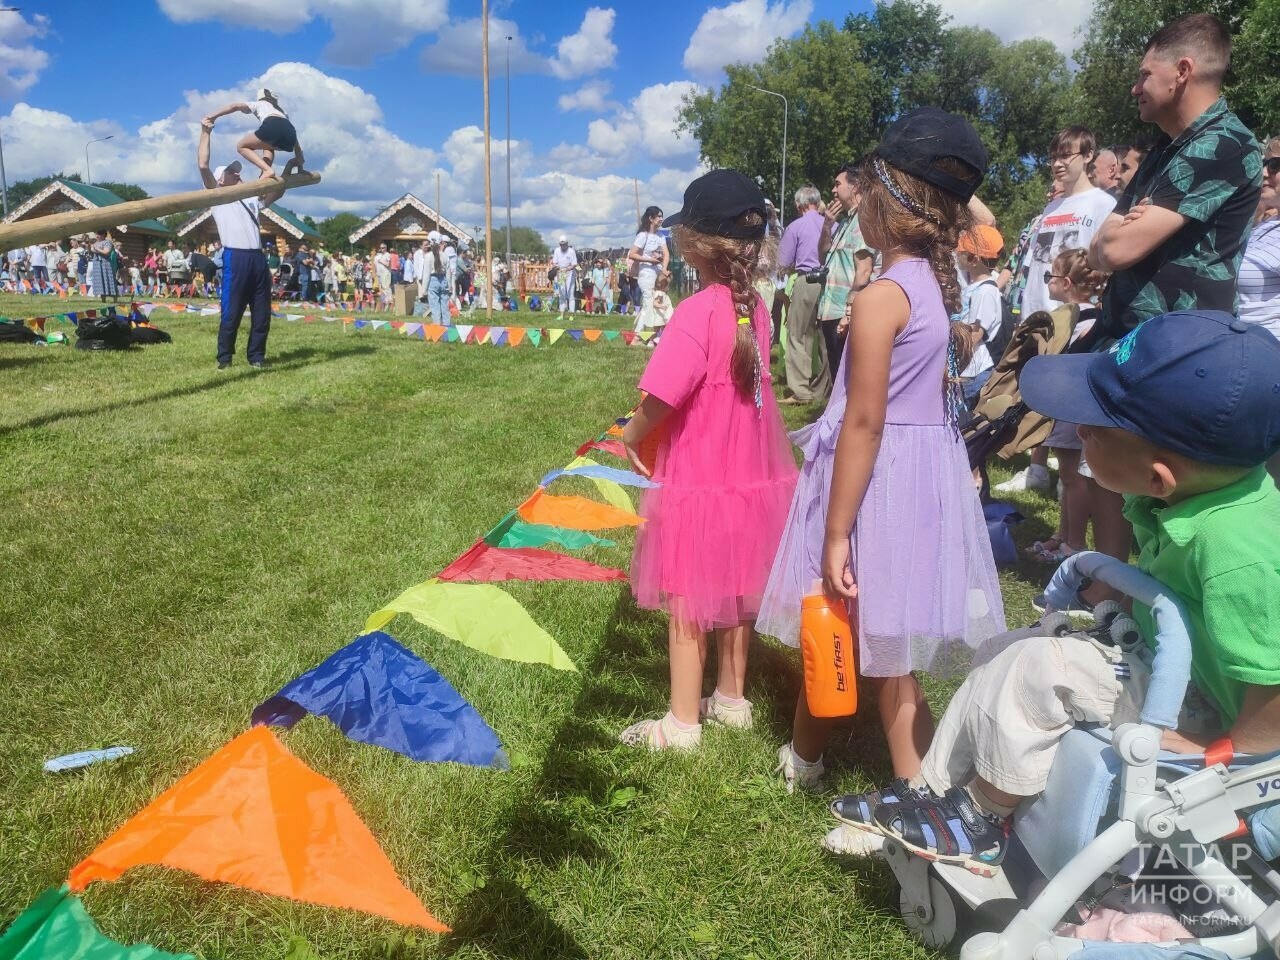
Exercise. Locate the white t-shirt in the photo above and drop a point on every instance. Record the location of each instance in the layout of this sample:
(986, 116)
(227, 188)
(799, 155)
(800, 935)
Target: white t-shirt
(566, 259)
(36, 254)
(1066, 223)
(649, 245)
(238, 224)
(263, 109)
(981, 305)
(1259, 280)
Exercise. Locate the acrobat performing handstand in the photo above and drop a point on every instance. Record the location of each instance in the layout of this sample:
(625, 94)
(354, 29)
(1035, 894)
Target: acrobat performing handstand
(275, 132)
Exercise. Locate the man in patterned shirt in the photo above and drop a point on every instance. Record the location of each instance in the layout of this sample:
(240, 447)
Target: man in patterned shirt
(838, 247)
(1176, 236)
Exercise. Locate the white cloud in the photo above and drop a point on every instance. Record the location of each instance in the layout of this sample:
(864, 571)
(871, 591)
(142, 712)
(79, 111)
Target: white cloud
(362, 31)
(457, 49)
(20, 60)
(574, 188)
(1017, 20)
(647, 127)
(590, 49)
(591, 96)
(741, 32)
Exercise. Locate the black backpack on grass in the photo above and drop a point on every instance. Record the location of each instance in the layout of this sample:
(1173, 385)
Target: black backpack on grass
(17, 333)
(107, 332)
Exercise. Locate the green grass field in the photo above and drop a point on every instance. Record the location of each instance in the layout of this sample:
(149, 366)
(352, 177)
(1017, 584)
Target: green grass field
(178, 543)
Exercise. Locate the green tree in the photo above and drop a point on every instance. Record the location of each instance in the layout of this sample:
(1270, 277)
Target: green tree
(525, 242)
(125, 191)
(335, 230)
(846, 85)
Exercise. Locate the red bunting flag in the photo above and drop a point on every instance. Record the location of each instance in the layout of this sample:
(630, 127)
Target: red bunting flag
(486, 564)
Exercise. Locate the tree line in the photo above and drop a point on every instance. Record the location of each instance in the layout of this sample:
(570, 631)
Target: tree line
(845, 83)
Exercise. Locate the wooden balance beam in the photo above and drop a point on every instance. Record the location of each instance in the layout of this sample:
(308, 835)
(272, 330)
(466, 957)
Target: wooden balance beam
(59, 226)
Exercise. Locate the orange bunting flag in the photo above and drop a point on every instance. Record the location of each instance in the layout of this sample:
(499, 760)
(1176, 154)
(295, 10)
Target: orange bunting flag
(515, 335)
(573, 512)
(592, 335)
(256, 816)
(433, 331)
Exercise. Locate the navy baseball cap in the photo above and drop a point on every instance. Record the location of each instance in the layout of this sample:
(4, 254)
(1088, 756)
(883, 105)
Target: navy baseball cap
(1200, 383)
(713, 203)
(920, 138)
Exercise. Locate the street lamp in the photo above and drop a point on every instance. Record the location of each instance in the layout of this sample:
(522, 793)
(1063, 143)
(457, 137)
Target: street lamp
(782, 189)
(87, 178)
(508, 153)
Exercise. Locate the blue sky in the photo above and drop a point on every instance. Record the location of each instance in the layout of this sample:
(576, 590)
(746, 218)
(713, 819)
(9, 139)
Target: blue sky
(386, 94)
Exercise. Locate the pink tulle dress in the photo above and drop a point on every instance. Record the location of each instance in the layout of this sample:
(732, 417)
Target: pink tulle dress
(726, 472)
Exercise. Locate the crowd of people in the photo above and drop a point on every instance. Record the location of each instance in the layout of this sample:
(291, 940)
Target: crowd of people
(1149, 287)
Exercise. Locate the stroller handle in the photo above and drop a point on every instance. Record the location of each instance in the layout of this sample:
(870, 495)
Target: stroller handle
(1171, 669)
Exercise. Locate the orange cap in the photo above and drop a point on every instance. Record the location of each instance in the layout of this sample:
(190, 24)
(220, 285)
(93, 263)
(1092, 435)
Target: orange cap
(982, 241)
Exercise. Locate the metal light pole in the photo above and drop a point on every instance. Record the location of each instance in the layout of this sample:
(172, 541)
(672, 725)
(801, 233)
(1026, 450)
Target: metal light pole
(87, 178)
(782, 189)
(508, 153)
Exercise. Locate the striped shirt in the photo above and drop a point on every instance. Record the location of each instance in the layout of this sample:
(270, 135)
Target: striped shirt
(842, 269)
(1259, 282)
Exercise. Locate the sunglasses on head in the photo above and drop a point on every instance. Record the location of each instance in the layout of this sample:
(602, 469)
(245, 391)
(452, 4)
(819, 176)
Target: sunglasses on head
(1272, 166)
(1050, 275)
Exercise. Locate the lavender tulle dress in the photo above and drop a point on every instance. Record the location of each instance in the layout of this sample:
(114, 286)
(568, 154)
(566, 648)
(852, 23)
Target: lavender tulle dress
(928, 594)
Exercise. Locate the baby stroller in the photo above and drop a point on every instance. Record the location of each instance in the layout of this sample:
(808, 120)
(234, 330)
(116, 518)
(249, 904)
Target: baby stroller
(284, 285)
(1116, 813)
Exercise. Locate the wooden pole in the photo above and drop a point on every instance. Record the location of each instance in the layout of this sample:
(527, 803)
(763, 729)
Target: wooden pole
(59, 226)
(637, 186)
(439, 213)
(488, 185)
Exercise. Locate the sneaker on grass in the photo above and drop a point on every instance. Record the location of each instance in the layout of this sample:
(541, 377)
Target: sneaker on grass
(798, 772)
(1031, 477)
(717, 709)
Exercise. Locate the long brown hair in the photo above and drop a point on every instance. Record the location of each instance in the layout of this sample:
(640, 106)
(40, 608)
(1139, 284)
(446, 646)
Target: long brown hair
(735, 263)
(927, 225)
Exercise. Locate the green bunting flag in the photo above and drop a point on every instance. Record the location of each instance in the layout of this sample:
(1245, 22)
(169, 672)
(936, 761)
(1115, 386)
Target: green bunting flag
(57, 927)
(511, 531)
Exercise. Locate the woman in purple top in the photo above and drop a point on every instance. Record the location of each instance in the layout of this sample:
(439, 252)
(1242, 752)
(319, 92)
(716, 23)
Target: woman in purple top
(885, 512)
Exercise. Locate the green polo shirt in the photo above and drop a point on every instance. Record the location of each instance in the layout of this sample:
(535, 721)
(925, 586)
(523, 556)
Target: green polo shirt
(1220, 553)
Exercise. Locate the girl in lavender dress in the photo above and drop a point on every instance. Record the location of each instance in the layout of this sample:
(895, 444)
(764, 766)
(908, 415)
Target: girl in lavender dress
(885, 513)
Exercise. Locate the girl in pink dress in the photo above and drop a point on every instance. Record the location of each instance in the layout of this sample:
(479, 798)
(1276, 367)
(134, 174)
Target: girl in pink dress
(724, 464)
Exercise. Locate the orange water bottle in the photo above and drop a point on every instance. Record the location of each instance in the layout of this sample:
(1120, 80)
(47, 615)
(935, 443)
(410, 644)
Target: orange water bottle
(826, 647)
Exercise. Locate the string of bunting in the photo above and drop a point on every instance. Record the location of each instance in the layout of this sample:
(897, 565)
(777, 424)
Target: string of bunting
(254, 815)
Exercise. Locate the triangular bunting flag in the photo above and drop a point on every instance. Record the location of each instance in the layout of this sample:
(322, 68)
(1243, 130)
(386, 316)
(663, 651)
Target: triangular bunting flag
(514, 532)
(452, 335)
(645, 335)
(380, 324)
(535, 336)
(555, 333)
(433, 331)
(610, 446)
(629, 336)
(479, 616)
(486, 564)
(498, 336)
(57, 927)
(256, 816)
(479, 334)
(582, 467)
(515, 335)
(464, 331)
(378, 692)
(576, 513)
(592, 335)
(576, 334)
(358, 323)
(611, 334)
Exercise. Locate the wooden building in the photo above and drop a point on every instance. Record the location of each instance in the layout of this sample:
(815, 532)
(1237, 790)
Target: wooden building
(63, 196)
(277, 225)
(406, 222)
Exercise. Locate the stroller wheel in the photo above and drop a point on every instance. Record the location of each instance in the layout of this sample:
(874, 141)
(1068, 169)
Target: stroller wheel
(939, 923)
(1106, 611)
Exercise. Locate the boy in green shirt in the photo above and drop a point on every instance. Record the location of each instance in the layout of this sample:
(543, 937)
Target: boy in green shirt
(1179, 417)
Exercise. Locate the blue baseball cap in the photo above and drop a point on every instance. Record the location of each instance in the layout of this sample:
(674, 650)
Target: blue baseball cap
(1200, 383)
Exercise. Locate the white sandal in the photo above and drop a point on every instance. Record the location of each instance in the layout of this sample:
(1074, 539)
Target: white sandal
(661, 734)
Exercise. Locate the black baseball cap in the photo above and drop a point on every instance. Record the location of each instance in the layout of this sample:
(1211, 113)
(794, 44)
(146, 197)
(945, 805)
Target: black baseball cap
(1203, 384)
(714, 201)
(918, 139)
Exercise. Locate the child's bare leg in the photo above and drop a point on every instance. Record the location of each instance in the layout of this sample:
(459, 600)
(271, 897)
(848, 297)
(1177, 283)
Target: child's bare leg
(249, 146)
(907, 722)
(809, 734)
(732, 645)
(1075, 499)
(688, 648)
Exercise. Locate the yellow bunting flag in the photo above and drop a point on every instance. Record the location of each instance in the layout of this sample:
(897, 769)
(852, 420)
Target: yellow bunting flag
(479, 616)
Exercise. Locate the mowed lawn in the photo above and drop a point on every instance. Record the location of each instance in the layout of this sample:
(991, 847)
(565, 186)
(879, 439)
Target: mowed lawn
(178, 543)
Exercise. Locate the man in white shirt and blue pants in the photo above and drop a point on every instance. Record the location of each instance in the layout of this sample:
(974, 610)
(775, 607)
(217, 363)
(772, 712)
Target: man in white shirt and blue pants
(246, 279)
